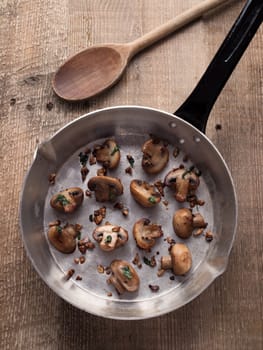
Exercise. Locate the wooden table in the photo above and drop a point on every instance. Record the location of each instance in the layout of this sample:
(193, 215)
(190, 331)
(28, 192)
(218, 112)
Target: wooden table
(36, 37)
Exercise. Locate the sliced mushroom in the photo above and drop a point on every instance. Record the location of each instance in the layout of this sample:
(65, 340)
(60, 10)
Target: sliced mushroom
(110, 237)
(106, 188)
(68, 200)
(179, 260)
(145, 233)
(144, 193)
(184, 182)
(155, 156)
(184, 222)
(108, 154)
(63, 238)
(123, 277)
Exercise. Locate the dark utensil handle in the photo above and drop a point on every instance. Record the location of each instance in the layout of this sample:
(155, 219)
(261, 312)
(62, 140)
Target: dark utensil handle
(198, 105)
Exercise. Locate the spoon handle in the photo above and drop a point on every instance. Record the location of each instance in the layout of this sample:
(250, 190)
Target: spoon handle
(171, 26)
(197, 107)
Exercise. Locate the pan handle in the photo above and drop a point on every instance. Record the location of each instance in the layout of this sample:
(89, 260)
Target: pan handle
(198, 105)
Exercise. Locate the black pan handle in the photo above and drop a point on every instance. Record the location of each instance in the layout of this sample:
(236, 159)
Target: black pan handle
(198, 105)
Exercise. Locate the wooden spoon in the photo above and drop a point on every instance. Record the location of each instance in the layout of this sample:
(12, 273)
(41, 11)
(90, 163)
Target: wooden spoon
(99, 67)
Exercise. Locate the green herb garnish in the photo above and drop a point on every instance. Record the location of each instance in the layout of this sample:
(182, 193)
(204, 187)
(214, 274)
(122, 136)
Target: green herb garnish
(115, 149)
(146, 261)
(108, 239)
(198, 172)
(152, 200)
(59, 229)
(62, 200)
(130, 160)
(78, 235)
(185, 173)
(127, 272)
(83, 158)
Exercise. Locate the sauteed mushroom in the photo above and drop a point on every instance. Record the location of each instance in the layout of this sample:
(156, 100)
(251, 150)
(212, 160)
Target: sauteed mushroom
(106, 188)
(110, 237)
(155, 155)
(108, 154)
(183, 182)
(123, 276)
(179, 260)
(68, 200)
(144, 193)
(184, 222)
(63, 239)
(145, 233)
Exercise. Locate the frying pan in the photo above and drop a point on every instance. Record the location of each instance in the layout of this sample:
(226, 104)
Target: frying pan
(130, 126)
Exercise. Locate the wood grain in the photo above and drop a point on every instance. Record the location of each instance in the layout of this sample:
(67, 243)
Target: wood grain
(35, 38)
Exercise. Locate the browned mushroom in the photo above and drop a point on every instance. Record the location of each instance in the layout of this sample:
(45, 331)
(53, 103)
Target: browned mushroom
(155, 155)
(63, 238)
(184, 222)
(183, 182)
(179, 260)
(145, 233)
(106, 188)
(110, 237)
(68, 200)
(108, 154)
(124, 277)
(144, 193)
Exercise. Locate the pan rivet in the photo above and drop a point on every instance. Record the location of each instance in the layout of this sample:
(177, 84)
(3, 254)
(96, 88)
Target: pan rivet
(181, 141)
(197, 139)
(172, 125)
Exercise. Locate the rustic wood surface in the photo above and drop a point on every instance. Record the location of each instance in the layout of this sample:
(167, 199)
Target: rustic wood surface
(35, 38)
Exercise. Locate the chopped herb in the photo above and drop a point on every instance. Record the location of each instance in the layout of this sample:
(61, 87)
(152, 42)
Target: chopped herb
(127, 272)
(79, 235)
(62, 200)
(59, 229)
(146, 261)
(152, 200)
(198, 172)
(115, 149)
(108, 239)
(150, 262)
(74, 193)
(130, 160)
(83, 158)
(187, 171)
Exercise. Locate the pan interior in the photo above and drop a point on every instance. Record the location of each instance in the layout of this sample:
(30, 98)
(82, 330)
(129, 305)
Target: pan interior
(130, 127)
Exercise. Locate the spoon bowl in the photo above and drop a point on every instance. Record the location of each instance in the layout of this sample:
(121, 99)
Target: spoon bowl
(90, 72)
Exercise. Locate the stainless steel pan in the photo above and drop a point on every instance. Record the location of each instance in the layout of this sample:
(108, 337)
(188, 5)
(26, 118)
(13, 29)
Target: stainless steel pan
(130, 126)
